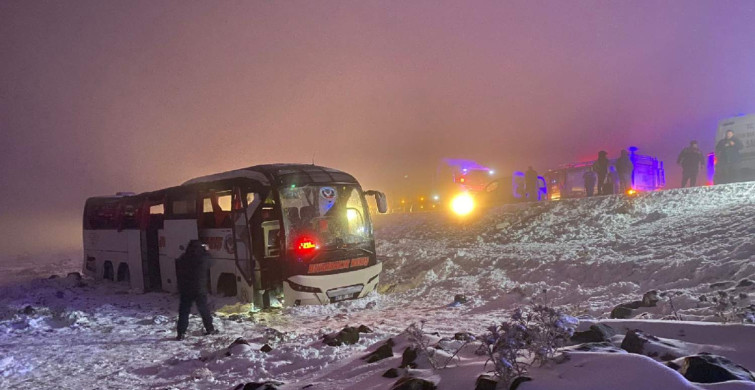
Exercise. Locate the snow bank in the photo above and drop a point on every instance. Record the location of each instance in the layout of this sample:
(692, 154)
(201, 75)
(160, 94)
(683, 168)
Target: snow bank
(694, 247)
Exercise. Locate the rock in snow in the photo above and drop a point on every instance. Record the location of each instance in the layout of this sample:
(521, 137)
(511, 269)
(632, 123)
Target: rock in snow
(383, 352)
(596, 334)
(708, 368)
(409, 383)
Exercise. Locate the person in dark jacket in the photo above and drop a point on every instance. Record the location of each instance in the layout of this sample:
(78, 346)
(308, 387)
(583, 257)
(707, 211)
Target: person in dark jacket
(590, 179)
(192, 269)
(625, 170)
(601, 169)
(691, 159)
(727, 154)
(530, 184)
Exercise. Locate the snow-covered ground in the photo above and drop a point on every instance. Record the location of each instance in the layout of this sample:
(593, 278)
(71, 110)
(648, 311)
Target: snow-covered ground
(694, 247)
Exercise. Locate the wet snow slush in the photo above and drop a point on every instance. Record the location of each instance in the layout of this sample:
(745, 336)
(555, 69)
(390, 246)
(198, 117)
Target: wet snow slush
(694, 247)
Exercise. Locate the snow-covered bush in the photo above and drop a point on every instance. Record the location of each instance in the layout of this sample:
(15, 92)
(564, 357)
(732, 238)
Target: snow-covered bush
(729, 307)
(531, 336)
(421, 344)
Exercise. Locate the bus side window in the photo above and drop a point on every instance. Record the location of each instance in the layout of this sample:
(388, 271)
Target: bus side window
(156, 215)
(216, 216)
(206, 217)
(128, 217)
(157, 209)
(184, 207)
(104, 216)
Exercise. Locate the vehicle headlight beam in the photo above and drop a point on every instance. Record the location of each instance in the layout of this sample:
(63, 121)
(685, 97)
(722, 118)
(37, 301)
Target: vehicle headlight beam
(462, 204)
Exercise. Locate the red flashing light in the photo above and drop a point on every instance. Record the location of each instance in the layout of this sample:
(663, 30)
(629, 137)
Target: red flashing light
(305, 245)
(462, 180)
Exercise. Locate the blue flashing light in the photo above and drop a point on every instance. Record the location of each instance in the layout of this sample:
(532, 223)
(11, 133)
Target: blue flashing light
(462, 164)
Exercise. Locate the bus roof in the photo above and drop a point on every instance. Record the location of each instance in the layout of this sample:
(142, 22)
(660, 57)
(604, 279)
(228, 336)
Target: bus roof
(262, 175)
(281, 174)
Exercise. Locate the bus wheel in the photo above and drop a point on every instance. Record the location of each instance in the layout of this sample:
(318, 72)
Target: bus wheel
(107, 272)
(123, 274)
(227, 285)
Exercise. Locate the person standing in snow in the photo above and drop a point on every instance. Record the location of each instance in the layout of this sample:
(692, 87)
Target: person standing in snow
(691, 159)
(601, 169)
(625, 170)
(611, 186)
(590, 179)
(727, 153)
(192, 269)
(530, 184)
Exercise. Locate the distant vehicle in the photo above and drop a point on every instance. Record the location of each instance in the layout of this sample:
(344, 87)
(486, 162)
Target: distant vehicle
(302, 232)
(466, 175)
(510, 189)
(436, 192)
(567, 180)
(458, 184)
(461, 186)
(744, 129)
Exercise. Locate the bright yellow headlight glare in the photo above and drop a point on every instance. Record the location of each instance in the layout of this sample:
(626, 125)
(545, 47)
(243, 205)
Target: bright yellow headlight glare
(462, 204)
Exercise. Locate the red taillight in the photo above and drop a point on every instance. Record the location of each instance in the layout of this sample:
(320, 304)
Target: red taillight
(305, 245)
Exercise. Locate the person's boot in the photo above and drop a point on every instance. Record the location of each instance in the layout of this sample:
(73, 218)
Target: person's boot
(211, 331)
(180, 337)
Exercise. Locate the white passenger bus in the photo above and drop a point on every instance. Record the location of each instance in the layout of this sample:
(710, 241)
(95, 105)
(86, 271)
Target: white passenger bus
(302, 233)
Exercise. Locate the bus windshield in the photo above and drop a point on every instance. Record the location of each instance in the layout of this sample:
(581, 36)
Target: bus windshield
(333, 216)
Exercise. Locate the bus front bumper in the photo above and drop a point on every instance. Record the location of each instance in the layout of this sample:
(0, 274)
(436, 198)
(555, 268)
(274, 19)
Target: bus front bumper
(322, 289)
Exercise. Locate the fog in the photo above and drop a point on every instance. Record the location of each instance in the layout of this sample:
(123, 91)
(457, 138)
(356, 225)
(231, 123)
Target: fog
(105, 96)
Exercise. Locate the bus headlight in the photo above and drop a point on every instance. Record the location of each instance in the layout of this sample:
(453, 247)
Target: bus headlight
(462, 204)
(300, 288)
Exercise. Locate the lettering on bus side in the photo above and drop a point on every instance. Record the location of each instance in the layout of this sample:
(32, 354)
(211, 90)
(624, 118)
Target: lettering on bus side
(214, 243)
(329, 266)
(360, 262)
(338, 265)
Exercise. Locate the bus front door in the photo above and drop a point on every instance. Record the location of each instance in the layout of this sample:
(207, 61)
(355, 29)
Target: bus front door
(175, 237)
(242, 240)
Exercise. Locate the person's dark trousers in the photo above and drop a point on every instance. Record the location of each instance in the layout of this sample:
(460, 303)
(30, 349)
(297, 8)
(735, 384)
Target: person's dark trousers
(689, 176)
(601, 183)
(590, 190)
(625, 181)
(724, 173)
(184, 308)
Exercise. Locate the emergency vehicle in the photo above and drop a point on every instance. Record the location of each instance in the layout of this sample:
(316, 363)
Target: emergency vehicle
(298, 232)
(567, 181)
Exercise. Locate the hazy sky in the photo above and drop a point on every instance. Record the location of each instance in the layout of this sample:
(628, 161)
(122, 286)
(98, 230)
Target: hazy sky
(105, 96)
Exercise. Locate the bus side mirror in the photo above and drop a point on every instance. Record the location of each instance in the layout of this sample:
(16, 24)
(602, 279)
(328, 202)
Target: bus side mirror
(380, 200)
